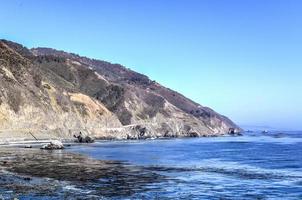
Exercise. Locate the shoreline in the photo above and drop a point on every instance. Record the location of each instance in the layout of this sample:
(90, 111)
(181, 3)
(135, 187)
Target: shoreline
(69, 142)
(17, 143)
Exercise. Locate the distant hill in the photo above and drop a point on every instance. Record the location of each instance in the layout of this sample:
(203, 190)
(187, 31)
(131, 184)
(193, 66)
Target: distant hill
(54, 94)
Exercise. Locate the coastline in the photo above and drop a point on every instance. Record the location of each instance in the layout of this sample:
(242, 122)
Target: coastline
(138, 169)
(22, 142)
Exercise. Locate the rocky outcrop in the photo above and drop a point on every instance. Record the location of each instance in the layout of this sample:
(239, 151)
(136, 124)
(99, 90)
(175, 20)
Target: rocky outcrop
(53, 145)
(83, 139)
(55, 94)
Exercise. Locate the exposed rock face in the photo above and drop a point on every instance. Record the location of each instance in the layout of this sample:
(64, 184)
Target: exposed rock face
(55, 94)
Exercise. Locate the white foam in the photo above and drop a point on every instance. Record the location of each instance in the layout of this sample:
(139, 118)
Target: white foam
(75, 189)
(209, 169)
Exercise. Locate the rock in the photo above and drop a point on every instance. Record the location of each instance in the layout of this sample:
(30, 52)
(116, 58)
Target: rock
(55, 144)
(88, 139)
(82, 139)
(28, 146)
(233, 132)
(193, 134)
(27, 179)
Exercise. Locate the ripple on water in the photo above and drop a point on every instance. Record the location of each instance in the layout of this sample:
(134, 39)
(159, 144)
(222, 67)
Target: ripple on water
(213, 168)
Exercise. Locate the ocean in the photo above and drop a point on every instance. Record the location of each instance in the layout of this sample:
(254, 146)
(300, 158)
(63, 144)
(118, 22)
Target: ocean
(253, 166)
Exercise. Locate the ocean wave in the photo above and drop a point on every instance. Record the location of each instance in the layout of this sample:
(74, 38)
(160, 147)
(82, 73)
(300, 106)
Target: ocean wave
(233, 169)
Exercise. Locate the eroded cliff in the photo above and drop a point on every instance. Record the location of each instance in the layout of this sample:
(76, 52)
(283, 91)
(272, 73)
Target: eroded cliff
(54, 94)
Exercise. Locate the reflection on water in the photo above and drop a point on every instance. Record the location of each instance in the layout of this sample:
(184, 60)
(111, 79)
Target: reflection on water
(248, 167)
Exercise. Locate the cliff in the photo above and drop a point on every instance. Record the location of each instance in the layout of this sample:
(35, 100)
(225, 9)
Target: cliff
(54, 94)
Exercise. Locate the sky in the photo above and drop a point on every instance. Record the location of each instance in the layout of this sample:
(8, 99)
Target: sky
(241, 58)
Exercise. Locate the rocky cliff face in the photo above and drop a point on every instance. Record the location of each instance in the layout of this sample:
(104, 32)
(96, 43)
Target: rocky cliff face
(52, 94)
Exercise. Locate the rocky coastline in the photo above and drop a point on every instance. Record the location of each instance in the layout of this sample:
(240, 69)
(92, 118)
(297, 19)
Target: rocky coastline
(51, 94)
(29, 173)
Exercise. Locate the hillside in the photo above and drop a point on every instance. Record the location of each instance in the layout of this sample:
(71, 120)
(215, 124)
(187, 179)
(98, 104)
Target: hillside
(54, 94)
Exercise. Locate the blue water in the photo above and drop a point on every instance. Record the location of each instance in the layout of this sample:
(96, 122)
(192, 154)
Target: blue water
(254, 166)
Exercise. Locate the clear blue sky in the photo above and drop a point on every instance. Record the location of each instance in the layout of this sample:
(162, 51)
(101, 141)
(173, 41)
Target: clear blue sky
(241, 58)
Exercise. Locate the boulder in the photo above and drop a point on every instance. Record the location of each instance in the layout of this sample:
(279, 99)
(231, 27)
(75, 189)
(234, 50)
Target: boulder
(231, 131)
(234, 132)
(88, 139)
(83, 139)
(53, 145)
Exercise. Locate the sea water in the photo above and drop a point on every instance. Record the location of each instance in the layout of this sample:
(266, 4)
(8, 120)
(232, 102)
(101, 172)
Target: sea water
(253, 166)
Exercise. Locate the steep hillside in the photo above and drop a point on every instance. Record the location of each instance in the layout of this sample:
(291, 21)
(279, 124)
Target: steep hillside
(52, 93)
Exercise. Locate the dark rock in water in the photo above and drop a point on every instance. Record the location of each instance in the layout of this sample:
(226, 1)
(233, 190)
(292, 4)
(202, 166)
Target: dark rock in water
(53, 145)
(88, 139)
(279, 135)
(233, 132)
(193, 134)
(27, 178)
(83, 139)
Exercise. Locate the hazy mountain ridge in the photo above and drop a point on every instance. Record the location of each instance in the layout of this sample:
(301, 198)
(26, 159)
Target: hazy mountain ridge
(55, 94)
